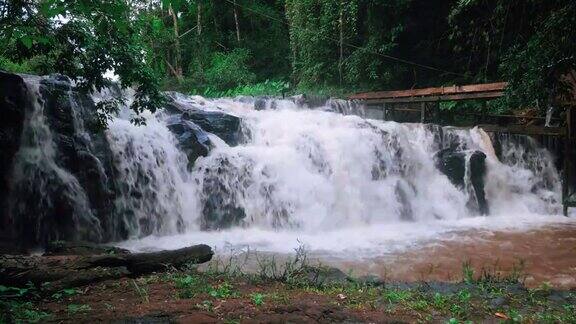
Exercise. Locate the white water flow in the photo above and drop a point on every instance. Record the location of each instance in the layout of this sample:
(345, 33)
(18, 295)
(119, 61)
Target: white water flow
(331, 182)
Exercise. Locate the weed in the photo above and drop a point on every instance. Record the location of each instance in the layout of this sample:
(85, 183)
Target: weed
(206, 306)
(16, 292)
(66, 293)
(223, 291)
(142, 291)
(439, 301)
(257, 299)
(467, 272)
(190, 286)
(25, 312)
(396, 296)
(76, 308)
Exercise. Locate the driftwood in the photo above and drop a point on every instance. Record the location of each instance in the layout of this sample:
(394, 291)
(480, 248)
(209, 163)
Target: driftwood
(58, 272)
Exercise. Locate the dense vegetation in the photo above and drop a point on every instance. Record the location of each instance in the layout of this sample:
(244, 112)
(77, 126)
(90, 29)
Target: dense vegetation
(230, 47)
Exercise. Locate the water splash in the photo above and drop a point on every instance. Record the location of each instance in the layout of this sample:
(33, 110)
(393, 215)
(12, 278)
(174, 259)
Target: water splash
(312, 169)
(295, 168)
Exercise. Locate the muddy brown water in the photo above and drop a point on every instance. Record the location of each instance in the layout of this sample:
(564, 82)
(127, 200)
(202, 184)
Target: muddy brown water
(546, 255)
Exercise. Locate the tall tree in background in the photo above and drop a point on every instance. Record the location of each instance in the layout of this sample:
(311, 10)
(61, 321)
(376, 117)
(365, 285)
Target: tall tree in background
(344, 42)
(531, 44)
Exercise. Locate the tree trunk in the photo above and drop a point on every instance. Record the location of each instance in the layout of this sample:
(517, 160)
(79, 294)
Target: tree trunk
(237, 24)
(341, 58)
(73, 271)
(199, 19)
(177, 68)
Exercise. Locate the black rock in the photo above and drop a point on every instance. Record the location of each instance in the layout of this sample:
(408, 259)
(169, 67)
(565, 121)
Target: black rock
(191, 138)
(452, 163)
(13, 102)
(225, 126)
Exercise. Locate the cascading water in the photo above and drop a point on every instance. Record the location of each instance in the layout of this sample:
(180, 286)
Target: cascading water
(299, 172)
(274, 173)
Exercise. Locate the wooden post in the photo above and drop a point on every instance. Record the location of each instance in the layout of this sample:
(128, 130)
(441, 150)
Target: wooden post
(423, 112)
(567, 161)
(384, 112)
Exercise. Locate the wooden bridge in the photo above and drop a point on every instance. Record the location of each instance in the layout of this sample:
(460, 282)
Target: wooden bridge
(423, 105)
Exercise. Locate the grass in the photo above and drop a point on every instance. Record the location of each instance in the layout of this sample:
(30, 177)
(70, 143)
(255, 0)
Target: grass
(75, 308)
(486, 295)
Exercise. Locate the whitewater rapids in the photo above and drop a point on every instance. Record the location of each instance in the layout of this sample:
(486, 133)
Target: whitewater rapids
(328, 180)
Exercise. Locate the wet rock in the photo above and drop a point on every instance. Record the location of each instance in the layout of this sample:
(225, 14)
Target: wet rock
(498, 302)
(477, 174)
(452, 162)
(67, 193)
(13, 94)
(401, 192)
(82, 148)
(191, 138)
(225, 126)
(310, 101)
(261, 104)
(220, 206)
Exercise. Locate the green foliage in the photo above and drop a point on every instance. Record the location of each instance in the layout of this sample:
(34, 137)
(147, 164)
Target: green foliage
(21, 312)
(266, 88)
(190, 286)
(78, 308)
(257, 299)
(229, 70)
(216, 48)
(527, 43)
(344, 43)
(18, 291)
(8, 65)
(81, 39)
(64, 293)
(223, 291)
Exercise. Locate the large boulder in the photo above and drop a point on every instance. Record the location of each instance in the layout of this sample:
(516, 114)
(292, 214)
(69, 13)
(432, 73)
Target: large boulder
(13, 96)
(82, 148)
(225, 126)
(221, 209)
(192, 139)
(452, 162)
(58, 163)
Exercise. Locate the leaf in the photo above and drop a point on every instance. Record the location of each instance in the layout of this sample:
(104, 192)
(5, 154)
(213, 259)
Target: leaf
(156, 25)
(26, 41)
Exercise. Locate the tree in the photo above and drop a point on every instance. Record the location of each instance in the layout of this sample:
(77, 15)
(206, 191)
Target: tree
(82, 39)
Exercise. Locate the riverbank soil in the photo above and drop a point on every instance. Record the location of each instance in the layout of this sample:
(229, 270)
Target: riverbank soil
(190, 297)
(482, 278)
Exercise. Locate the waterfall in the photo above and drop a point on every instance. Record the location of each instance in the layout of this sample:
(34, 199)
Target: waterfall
(43, 192)
(312, 169)
(245, 165)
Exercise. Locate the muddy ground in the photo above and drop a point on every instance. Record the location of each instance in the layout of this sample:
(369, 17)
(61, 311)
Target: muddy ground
(516, 277)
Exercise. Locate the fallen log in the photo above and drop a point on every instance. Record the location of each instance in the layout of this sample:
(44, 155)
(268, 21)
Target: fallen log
(80, 248)
(54, 273)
